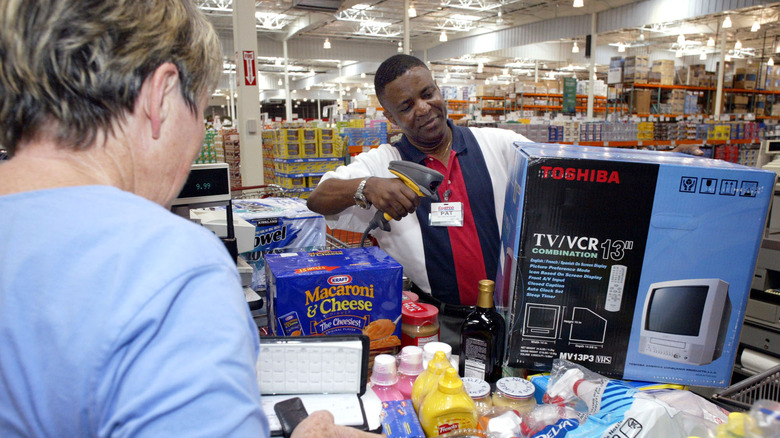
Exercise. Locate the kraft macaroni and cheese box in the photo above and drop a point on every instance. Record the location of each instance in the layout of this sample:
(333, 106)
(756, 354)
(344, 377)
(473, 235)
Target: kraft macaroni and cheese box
(281, 225)
(336, 292)
(634, 264)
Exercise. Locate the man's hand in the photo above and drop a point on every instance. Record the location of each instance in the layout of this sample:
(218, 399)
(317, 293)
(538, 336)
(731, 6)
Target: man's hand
(320, 425)
(391, 196)
(690, 149)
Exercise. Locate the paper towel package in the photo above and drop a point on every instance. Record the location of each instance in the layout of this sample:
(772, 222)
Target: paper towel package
(281, 225)
(635, 264)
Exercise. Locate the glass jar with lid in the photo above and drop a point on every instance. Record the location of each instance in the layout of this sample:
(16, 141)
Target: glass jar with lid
(515, 393)
(479, 390)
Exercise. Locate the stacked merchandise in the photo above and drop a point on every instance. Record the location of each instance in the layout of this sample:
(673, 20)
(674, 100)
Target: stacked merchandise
(698, 76)
(303, 155)
(645, 131)
(691, 104)
(233, 157)
(366, 138)
(745, 78)
(662, 72)
(675, 103)
(748, 155)
(571, 131)
(636, 69)
(592, 131)
(536, 133)
(212, 150)
(269, 139)
(771, 78)
(620, 131)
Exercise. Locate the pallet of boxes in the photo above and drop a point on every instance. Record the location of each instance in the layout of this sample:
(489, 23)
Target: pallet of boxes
(636, 70)
(303, 155)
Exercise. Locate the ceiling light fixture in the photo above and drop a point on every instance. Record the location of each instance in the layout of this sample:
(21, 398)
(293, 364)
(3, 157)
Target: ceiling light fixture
(621, 47)
(359, 90)
(727, 22)
(756, 26)
(575, 48)
(500, 19)
(308, 87)
(279, 82)
(703, 56)
(412, 11)
(678, 54)
(738, 45)
(326, 44)
(771, 62)
(443, 37)
(578, 4)
(362, 75)
(727, 58)
(480, 67)
(711, 42)
(681, 39)
(400, 47)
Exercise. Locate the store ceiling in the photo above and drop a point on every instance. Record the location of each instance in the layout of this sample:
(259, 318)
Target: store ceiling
(381, 22)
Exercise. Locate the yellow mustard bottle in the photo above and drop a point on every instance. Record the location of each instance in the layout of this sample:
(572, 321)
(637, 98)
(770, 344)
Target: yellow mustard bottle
(429, 377)
(448, 408)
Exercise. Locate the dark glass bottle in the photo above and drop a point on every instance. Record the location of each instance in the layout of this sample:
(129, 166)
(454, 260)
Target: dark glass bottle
(482, 338)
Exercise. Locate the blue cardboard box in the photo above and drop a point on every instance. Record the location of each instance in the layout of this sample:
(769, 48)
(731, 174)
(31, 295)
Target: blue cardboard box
(339, 292)
(634, 264)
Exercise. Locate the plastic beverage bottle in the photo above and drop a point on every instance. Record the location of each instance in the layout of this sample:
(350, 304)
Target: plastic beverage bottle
(435, 370)
(408, 370)
(384, 377)
(448, 408)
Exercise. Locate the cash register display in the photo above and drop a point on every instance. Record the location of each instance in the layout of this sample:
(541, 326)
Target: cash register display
(205, 182)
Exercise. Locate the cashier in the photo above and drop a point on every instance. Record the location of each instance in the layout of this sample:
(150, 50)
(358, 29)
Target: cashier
(444, 256)
(118, 318)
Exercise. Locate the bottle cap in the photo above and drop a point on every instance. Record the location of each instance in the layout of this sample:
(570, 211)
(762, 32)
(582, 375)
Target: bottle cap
(515, 387)
(476, 387)
(411, 361)
(431, 348)
(414, 313)
(384, 370)
(450, 383)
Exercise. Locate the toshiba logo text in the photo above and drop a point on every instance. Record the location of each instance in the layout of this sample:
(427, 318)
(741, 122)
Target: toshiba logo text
(580, 174)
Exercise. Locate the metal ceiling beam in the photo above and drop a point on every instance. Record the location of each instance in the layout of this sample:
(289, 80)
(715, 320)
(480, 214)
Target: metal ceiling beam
(627, 16)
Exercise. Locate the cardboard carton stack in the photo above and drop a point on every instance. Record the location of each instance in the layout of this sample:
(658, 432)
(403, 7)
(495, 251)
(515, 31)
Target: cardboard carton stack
(615, 74)
(675, 102)
(662, 72)
(636, 69)
(772, 78)
(698, 76)
(640, 102)
(745, 78)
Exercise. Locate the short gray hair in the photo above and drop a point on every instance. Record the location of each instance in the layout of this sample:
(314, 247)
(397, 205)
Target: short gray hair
(73, 67)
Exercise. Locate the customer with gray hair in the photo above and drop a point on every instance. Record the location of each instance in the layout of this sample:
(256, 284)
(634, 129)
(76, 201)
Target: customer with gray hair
(117, 317)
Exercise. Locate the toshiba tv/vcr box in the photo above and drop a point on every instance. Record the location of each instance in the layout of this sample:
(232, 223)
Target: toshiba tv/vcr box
(635, 264)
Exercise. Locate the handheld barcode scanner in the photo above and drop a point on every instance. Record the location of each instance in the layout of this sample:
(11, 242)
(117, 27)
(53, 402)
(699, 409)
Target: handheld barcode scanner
(422, 180)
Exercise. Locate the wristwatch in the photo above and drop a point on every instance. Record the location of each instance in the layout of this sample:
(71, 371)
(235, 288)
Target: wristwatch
(360, 198)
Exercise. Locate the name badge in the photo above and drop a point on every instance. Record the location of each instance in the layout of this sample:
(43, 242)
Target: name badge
(446, 214)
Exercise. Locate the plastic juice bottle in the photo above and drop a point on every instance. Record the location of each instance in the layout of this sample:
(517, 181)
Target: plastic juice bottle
(448, 408)
(435, 370)
(408, 370)
(384, 377)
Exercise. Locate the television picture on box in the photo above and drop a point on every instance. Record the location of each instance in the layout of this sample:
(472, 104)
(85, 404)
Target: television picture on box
(685, 320)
